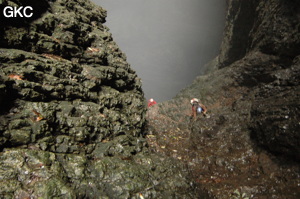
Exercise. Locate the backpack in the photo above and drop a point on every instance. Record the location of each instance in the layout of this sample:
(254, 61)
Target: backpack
(199, 109)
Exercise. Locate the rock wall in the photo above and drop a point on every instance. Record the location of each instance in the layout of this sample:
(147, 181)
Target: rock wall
(271, 28)
(72, 111)
(65, 81)
(240, 19)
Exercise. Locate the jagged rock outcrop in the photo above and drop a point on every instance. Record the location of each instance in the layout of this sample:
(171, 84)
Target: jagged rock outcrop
(72, 111)
(250, 143)
(63, 76)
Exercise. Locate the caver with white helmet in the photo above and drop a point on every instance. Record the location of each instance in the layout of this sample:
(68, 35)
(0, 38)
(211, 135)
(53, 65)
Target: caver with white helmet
(194, 100)
(197, 107)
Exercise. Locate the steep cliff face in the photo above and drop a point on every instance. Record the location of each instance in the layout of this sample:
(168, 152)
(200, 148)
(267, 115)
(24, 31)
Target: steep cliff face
(250, 142)
(72, 111)
(273, 77)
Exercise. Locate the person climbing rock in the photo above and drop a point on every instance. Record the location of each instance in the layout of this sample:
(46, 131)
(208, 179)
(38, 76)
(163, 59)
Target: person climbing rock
(197, 108)
(151, 102)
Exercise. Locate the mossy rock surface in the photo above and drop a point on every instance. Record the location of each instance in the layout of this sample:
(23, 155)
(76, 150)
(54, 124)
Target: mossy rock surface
(36, 173)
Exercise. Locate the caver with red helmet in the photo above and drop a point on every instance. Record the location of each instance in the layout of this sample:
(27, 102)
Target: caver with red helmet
(151, 102)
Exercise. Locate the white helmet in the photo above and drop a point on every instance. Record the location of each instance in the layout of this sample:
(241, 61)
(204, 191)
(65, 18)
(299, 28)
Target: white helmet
(194, 100)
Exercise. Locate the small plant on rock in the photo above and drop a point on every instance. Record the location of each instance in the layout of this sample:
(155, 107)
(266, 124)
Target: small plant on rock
(238, 195)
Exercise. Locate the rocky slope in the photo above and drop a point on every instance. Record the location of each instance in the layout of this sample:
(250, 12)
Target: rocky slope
(249, 146)
(73, 112)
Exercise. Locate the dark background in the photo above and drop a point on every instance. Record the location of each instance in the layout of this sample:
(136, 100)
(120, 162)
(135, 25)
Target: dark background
(166, 41)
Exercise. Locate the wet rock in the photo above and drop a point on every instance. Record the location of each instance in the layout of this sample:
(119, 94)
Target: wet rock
(44, 174)
(275, 114)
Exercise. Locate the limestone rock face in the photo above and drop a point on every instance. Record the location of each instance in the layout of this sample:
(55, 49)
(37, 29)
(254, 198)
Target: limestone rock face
(72, 111)
(270, 28)
(64, 81)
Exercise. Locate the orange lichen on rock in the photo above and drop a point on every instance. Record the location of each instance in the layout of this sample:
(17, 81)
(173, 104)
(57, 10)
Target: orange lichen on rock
(16, 77)
(39, 116)
(51, 56)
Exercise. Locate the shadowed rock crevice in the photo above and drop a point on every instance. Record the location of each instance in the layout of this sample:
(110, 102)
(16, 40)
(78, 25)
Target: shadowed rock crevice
(240, 20)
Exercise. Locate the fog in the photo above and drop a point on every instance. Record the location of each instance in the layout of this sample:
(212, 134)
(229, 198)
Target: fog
(167, 42)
